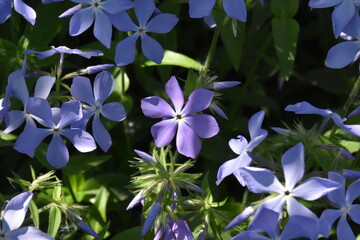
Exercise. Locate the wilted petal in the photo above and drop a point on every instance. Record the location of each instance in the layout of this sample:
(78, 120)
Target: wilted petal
(343, 230)
(27, 12)
(13, 120)
(200, 8)
(43, 86)
(175, 93)
(163, 132)
(293, 164)
(57, 153)
(204, 125)
(81, 90)
(15, 211)
(114, 111)
(235, 9)
(342, 15)
(323, 3)
(143, 10)
(40, 108)
(300, 227)
(306, 108)
(150, 218)
(101, 135)
(243, 216)
(162, 23)
(187, 142)
(260, 180)
(156, 107)
(81, 139)
(199, 100)
(152, 49)
(314, 188)
(5, 10)
(125, 50)
(30, 139)
(70, 112)
(353, 192)
(123, 22)
(327, 219)
(116, 6)
(81, 21)
(342, 54)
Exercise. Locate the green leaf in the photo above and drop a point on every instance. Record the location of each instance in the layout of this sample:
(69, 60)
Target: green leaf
(82, 163)
(122, 81)
(34, 214)
(54, 221)
(101, 201)
(176, 59)
(284, 8)
(285, 34)
(132, 233)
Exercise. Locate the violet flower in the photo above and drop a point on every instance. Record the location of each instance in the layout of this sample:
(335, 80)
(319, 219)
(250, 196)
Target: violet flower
(181, 119)
(178, 230)
(344, 202)
(241, 147)
(95, 98)
(99, 11)
(13, 217)
(55, 120)
(162, 23)
(22, 8)
(64, 50)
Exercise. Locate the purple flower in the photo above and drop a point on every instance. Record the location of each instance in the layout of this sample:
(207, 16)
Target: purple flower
(155, 210)
(62, 50)
(55, 120)
(178, 230)
(233, 8)
(162, 23)
(99, 11)
(241, 147)
(14, 215)
(181, 119)
(82, 225)
(344, 202)
(27, 12)
(306, 108)
(342, 14)
(95, 98)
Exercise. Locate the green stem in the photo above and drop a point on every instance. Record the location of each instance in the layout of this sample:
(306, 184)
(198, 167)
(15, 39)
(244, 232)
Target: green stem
(212, 49)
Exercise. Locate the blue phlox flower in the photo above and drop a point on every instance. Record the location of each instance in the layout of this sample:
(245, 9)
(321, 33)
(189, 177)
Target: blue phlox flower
(306, 108)
(233, 8)
(297, 227)
(178, 230)
(259, 180)
(241, 147)
(88, 11)
(155, 210)
(13, 217)
(161, 23)
(347, 173)
(82, 224)
(345, 53)
(22, 8)
(343, 12)
(345, 208)
(56, 121)
(64, 50)
(95, 97)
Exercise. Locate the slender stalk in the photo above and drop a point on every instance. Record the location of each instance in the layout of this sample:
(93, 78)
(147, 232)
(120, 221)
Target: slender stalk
(212, 49)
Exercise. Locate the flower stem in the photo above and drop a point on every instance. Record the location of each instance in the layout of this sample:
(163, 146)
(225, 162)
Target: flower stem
(212, 49)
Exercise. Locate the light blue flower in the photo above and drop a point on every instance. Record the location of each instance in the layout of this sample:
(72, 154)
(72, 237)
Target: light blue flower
(27, 12)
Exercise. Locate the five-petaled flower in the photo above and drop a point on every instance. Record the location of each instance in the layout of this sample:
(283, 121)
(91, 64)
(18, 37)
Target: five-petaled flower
(182, 119)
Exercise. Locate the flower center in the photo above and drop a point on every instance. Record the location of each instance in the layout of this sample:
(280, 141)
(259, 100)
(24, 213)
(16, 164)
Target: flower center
(345, 209)
(96, 3)
(56, 130)
(141, 31)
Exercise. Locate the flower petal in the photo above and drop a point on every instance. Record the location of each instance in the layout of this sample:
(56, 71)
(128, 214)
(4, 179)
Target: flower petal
(306, 108)
(323, 3)
(123, 22)
(254, 124)
(81, 90)
(162, 23)
(327, 219)
(114, 111)
(103, 28)
(199, 100)
(40, 108)
(204, 125)
(15, 211)
(146, 157)
(238, 145)
(300, 227)
(116, 6)
(81, 139)
(243, 216)
(143, 10)
(5, 10)
(187, 142)
(175, 93)
(125, 50)
(294, 208)
(228, 168)
(156, 107)
(342, 54)
(27, 12)
(343, 230)
(13, 120)
(354, 213)
(235, 9)
(163, 132)
(266, 223)
(30, 139)
(71, 11)
(57, 153)
(200, 8)
(352, 28)
(342, 15)
(293, 164)
(26, 233)
(43, 86)
(136, 200)
(353, 192)
(314, 188)
(337, 196)
(70, 112)
(17, 86)
(152, 49)
(150, 218)
(101, 135)
(219, 111)
(225, 84)
(103, 86)
(86, 228)
(81, 21)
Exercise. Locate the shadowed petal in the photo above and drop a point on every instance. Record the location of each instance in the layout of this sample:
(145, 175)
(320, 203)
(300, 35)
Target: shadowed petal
(293, 164)
(81, 139)
(13, 120)
(15, 211)
(5, 10)
(81, 90)
(30, 139)
(295, 208)
(175, 93)
(136, 200)
(125, 50)
(41, 54)
(143, 10)
(116, 6)
(327, 219)
(103, 86)
(103, 28)
(101, 135)
(354, 213)
(163, 132)
(81, 21)
(156, 107)
(259, 180)
(57, 153)
(123, 22)
(114, 111)
(219, 111)
(17, 86)
(342, 15)
(70, 112)
(200, 8)
(27, 12)
(86, 228)
(228, 168)
(267, 223)
(43, 86)
(187, 143)
(353, 192)
(146, 157)
(306, 108)
(40, 108)
(235, 9)
(243, 216)
(254, 124)
(314, 188)
(337, 196)
(199, 100)
(152, 49)
(300, 227)
(323, 3)
(150, 218)
(27, 233)
(204, 125)
(249, 235)
(343, 230)
(225, 84)
(162, 23)
(342, 54)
